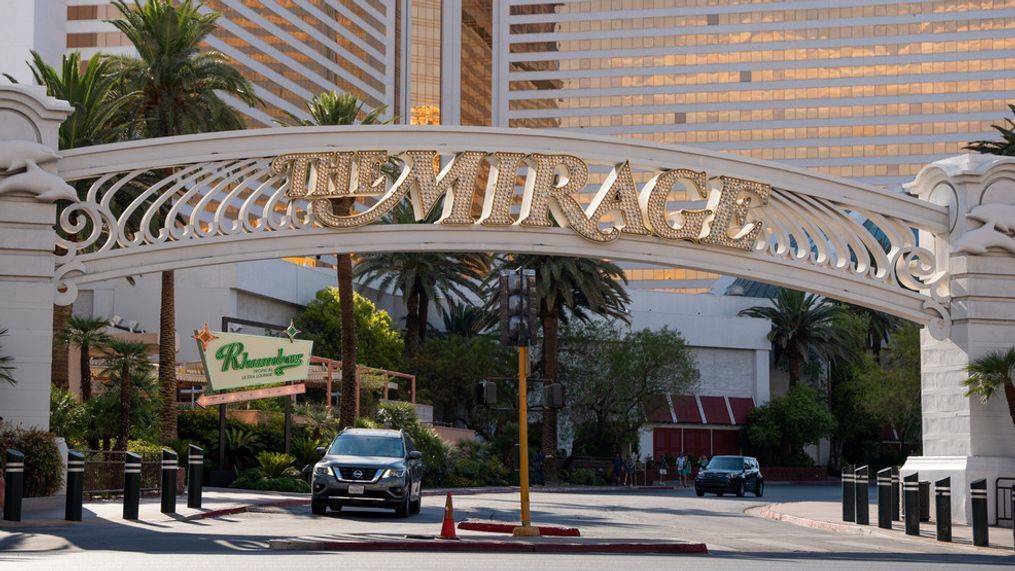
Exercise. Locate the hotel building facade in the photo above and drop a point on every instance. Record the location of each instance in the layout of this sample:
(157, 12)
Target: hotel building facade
(871, 90)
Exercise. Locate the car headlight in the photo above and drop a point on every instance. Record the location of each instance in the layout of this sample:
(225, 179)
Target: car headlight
(322, 470)
(393, 473)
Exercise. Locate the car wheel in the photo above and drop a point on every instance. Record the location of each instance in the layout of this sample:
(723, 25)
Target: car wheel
(699, 493)
(318, 509)
(759, 489)
(403, 510)
(740, 489)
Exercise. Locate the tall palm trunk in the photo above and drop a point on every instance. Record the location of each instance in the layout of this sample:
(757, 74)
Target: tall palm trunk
(347, 411)
(60, 362)
(424, 314)
(167, 355)
(124, 436)
(412, 324)
(795, 360)
(86, 372)
(343, 268)
(551, 322)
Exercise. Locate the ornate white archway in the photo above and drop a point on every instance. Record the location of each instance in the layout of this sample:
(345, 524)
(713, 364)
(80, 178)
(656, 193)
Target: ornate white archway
(214, 198)
(943, 256)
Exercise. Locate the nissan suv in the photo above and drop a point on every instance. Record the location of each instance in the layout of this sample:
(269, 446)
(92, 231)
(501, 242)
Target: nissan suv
(730, 475)
(368, 468)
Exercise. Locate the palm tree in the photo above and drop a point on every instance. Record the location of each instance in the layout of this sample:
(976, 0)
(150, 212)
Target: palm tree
(97, 106)
(1006, 146)
(880, 326)
(87, 333)
(465, 320)
(568, 288)
(126, 360)
(422, 278)
(988, 373)
(179, 85)
(6, 369)
(333, 108)
(802, 325)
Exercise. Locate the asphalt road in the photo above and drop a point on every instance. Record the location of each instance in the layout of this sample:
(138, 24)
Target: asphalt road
(735, 540)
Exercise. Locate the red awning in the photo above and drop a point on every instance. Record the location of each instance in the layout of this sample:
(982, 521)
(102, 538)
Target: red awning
(715, 410)
(741, 407)
(687, 409)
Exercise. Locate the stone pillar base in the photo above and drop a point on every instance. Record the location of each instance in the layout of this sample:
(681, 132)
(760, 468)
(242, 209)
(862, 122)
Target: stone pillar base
(963, 470)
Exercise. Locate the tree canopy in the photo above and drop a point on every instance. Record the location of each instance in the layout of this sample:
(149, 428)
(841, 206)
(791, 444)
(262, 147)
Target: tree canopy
(379, 345)
(611, 374)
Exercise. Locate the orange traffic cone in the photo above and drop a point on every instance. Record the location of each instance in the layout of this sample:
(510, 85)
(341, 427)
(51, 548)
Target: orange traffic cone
(448, 527)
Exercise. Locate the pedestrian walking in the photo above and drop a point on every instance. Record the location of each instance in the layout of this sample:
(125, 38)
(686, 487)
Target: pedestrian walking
(681, 464)
(663, 469)
(629, 466)
(618, 468)
(702, 462)
(686, 474)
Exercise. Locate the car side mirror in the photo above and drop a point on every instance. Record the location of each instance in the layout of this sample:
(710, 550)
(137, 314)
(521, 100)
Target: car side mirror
(321, 450)
(415, 455)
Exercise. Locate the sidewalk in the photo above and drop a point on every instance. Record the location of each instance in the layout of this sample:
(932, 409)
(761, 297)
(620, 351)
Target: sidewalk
(828, 516)
(215, 502)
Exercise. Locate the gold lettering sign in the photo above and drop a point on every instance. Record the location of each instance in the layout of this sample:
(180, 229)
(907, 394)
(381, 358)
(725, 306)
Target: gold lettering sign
(551, 186)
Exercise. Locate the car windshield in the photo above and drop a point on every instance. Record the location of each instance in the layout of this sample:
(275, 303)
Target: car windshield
(362, 445)
(734, 463)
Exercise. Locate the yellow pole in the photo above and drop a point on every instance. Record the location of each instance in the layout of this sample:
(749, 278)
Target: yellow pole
(523, 436)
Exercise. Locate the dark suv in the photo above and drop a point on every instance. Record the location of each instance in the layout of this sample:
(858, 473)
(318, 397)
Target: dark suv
(730, 475)
(368, 468)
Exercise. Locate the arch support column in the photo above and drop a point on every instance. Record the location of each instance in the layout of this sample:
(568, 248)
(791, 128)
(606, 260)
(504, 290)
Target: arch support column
(964, 438)
(29, 189)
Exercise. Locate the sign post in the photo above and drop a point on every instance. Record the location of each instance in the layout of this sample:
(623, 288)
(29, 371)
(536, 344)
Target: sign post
(526, 528)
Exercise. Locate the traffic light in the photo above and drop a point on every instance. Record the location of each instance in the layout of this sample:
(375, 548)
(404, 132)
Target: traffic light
(486, 393)
(553, 395)
(518, 307)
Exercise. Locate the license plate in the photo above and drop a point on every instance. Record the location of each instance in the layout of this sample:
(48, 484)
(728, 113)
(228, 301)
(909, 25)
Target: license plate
(355, 489)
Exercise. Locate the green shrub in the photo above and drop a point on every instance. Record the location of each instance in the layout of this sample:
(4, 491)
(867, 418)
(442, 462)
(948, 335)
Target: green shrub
(476, 462)
(362, 422)
(284, 484)
(144, 446)
(584, 477)
(67, 416)
(276, 465)
(305, 450)
(43, 465)
(397, 415)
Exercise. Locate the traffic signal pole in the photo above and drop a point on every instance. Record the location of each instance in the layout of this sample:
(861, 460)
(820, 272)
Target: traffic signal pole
(526, 529)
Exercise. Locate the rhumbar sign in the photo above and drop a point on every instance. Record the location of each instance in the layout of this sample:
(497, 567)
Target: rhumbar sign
(233, 361)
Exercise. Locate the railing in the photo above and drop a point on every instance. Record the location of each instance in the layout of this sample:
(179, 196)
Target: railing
(1002, 495)
(104, 472)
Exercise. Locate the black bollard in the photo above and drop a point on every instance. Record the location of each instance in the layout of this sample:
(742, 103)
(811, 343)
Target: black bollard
(75, 485)
(885, 498)
(862, 495)
(195, 476)
(131, 485)
(978, 496)
(848, 491)
(943, 507)
(896, 496)
(15, 486)
(168, 491)
(911, 494)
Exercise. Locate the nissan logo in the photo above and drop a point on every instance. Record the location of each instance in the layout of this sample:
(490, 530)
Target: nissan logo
(357, 474)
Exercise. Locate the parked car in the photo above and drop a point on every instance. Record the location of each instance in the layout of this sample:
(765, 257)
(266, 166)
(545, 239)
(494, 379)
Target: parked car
(368, 468)
(730, 475)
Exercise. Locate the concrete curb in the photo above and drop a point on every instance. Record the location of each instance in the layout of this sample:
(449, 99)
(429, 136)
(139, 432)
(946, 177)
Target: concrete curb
(244, 509)
(484, 545)
(502, 527)
(852, 529)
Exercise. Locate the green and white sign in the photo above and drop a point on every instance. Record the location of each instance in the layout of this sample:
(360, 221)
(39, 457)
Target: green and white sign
(232, 361)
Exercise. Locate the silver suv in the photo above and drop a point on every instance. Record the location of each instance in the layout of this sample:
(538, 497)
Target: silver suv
(368, 468)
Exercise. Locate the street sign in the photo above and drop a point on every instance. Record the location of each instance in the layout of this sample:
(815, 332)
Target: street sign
(205, 401)
(233, 361)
